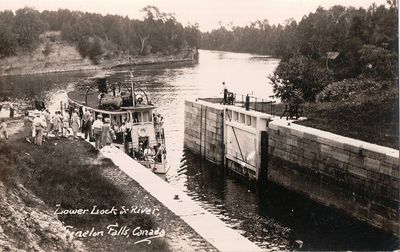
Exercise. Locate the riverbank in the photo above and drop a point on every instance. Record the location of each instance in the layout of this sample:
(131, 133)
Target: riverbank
(65, 58)
(69, 173)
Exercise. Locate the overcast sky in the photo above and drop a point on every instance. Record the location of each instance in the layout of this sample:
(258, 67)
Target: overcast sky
(208, 13)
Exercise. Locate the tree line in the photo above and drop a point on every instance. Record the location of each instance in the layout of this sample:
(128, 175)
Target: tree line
(93, 33)
(326, 46)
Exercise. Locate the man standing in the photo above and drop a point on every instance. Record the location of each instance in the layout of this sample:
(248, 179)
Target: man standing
(225, 90)
(97, 125)
(47, 117)
(86, 124)
(11, 110)
(75, 123)
(40, 124)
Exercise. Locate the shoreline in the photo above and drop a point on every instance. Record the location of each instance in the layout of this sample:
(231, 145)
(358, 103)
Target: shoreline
(106, 65)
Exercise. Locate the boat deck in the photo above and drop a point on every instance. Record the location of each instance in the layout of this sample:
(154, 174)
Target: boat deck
(93, 102)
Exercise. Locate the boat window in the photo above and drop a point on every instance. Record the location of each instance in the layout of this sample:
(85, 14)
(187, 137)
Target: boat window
(145, 116)
(136, 117)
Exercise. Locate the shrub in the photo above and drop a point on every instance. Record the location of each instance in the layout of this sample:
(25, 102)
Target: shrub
(352, 89)
(299, 74)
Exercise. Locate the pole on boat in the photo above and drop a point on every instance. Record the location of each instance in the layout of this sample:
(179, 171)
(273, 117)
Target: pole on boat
(133, 93)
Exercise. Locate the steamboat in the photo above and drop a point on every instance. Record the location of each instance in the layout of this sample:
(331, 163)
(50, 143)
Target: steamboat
(127, 108)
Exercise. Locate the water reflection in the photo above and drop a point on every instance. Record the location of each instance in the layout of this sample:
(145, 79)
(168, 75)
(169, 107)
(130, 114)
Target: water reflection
(52, 88)
(274, 217)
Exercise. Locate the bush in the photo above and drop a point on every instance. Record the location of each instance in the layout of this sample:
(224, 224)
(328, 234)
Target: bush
(352, 89)
(378, 62)
(300, 74)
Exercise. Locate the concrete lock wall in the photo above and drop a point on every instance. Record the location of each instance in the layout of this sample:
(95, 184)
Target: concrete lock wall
(203, 134)
(358, 177)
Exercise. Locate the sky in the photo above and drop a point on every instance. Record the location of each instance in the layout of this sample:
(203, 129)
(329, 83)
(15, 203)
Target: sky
(209, 14)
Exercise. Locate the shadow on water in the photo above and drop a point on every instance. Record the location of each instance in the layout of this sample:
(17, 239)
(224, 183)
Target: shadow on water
(272, 216)
(23, 90)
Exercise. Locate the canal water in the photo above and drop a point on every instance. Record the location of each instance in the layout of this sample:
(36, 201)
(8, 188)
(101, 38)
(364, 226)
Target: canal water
(268, 215)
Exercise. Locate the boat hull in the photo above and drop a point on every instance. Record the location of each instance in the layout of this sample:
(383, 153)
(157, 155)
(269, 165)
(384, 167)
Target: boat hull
(159, 168)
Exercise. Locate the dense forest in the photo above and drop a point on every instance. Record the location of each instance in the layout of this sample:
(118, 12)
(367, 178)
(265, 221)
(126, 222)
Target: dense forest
(323, 54)
(94, 34)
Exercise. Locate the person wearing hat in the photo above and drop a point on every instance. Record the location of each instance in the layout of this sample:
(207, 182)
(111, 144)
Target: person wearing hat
(39, 124)
(87, 124)
(106, 132)
(97, 125)
(75, 122)
(56, 123)
(47, 117)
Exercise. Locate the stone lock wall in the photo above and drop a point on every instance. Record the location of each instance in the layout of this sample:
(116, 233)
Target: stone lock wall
(358, 177)
(203, 133)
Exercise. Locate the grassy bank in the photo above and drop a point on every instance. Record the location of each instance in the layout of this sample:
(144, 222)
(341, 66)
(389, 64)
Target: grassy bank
(70, 173)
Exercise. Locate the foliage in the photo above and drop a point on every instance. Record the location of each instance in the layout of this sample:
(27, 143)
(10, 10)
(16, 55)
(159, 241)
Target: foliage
(351, 89)
(378, 62)
(27, 27)
(366, 40)
(158, 33)
(7, 37)
(374, 119)
(95, 51)
(299, 74)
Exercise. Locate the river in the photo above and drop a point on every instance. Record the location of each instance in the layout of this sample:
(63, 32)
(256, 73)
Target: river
(268, 215)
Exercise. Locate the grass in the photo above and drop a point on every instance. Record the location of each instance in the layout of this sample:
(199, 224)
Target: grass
(59, 173)
(374, 122)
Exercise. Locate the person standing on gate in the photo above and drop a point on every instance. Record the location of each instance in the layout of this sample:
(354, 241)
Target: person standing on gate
(225, 91)
(97, 125)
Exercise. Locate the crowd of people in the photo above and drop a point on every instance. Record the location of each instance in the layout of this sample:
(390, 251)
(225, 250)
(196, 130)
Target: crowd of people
(65, 124)
(93, 128)
(41, 124)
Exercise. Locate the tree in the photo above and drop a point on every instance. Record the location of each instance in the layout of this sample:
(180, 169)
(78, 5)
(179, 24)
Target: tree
(7, 37)
(299, 75)
(28, 26)
(96, 51)
(378, 62)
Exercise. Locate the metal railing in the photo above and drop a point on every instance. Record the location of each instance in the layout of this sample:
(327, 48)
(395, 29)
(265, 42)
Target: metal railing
(251, 102)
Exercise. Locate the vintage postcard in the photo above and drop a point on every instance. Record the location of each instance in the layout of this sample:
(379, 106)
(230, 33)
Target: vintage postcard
(180, 125)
